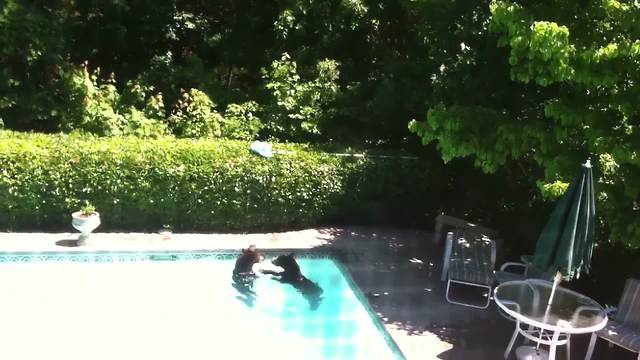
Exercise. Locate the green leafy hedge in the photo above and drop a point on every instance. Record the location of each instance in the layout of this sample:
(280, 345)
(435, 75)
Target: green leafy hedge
(198, 185)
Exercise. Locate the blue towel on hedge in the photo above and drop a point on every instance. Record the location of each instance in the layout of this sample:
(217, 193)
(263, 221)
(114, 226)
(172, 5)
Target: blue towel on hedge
(262, 148)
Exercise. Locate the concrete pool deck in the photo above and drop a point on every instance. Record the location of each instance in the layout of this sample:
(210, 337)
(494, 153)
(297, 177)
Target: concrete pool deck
(398, 269)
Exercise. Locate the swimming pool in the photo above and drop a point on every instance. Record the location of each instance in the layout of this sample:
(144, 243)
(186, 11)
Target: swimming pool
(180, 305)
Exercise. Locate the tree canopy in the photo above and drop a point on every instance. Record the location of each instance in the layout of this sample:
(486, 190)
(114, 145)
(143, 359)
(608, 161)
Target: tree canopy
(568, 92)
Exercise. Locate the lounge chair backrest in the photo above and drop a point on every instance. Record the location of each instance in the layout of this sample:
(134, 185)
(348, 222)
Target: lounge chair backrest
(475, 261)
(446, 223)
(628, 311)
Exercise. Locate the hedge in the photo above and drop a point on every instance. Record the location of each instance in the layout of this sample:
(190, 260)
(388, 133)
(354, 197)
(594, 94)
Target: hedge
(200, 185)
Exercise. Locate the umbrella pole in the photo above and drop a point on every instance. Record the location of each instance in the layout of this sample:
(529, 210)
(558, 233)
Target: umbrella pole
(556, 281)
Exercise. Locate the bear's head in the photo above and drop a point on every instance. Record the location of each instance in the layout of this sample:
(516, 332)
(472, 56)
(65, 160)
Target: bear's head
(285, 261)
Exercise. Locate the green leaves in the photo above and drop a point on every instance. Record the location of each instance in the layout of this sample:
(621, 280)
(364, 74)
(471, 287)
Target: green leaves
(540, 51)
(241, 121)
(300, 106)
(463, 131)
(195, 184)
(97, 107)
(194, 116)
(31, 42)
(550, 53)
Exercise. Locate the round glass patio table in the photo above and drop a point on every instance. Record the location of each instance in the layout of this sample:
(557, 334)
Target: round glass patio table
(569, 312)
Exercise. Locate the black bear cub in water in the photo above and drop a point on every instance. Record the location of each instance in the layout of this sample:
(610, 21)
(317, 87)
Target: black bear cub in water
(244, 264)
(244, 274)
(292, 274)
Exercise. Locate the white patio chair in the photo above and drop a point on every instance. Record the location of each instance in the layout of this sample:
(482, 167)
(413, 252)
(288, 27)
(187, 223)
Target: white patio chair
(624, 329)
(469, 260)
(525, 270)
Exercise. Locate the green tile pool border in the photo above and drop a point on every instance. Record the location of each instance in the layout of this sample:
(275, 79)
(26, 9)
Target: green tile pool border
(155, 255)
(217, 254)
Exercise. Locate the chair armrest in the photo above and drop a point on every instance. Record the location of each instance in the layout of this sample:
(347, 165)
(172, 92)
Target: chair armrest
(610, 311)
(509, 264)
(511, 304)
(526, 259)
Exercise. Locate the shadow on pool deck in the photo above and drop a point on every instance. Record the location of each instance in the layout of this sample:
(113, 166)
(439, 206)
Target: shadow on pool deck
(399, 270)
(67, 243)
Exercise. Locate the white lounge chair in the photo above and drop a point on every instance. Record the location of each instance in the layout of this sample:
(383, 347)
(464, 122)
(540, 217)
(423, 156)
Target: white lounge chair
(469, 260)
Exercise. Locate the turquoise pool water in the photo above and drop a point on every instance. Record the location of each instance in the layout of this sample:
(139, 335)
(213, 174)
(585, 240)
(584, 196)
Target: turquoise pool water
(264, 318)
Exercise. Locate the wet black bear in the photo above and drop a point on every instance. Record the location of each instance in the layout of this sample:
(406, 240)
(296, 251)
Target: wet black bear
(249, 257)
(243, 276)
(292, 274)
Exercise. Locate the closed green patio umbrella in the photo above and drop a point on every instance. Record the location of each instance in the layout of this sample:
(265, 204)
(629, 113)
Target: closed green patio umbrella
(566, 242)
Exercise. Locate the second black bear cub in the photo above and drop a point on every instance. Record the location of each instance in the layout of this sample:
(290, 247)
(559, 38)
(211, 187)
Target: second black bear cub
(291, 270)
(291, 274)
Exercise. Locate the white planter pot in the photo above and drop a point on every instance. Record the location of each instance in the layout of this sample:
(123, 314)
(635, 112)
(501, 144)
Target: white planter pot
(85, 224)
(165, 234)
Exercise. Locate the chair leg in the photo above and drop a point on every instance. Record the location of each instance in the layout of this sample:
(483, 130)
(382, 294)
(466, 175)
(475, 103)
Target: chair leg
(592, 345)
(568, 347)
(529, 329)
(513, 340)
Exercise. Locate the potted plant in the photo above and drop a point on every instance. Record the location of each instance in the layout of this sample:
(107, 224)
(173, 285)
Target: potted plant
(165, 232)
(85, 220)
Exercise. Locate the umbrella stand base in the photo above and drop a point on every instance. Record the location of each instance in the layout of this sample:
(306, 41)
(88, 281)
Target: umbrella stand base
(531, 353)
